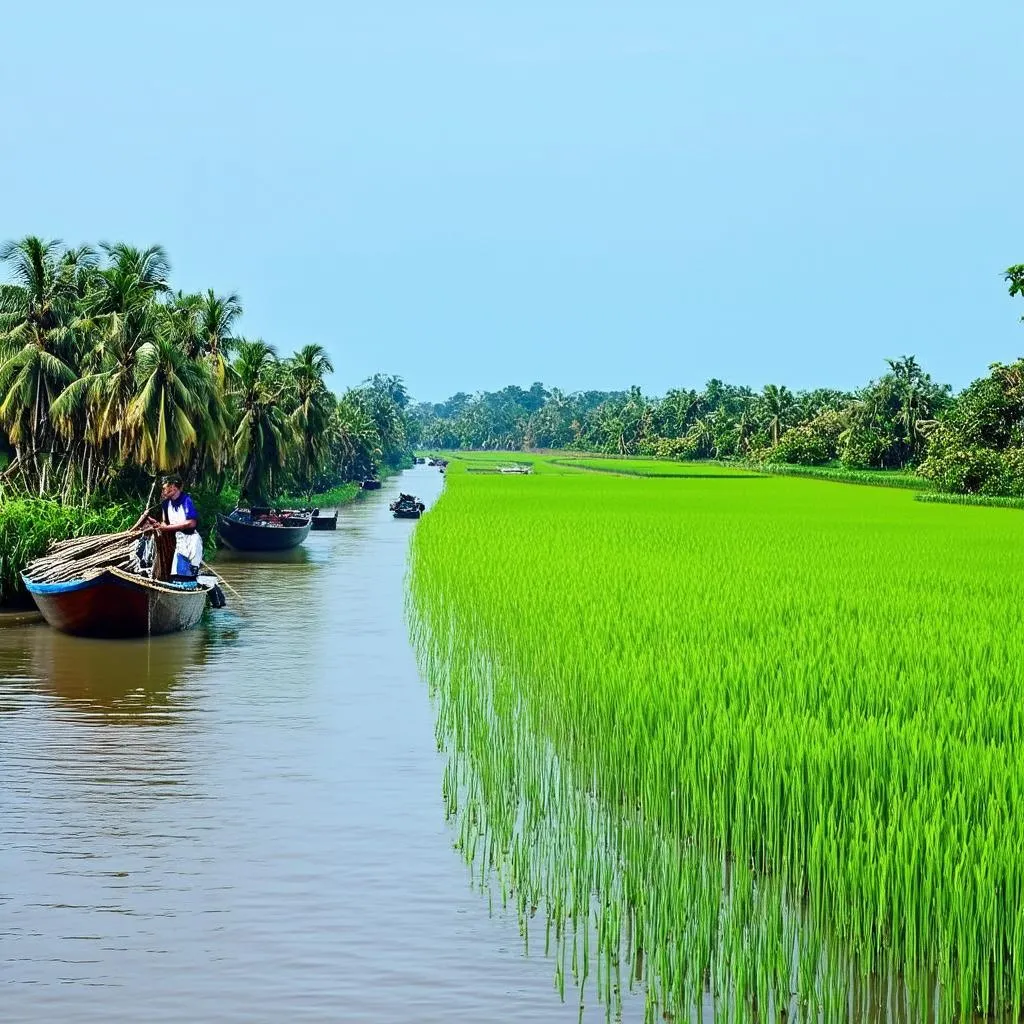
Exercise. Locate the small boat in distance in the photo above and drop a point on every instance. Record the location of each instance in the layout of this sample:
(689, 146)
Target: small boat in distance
(370, 485)
(322, 521)
(263, 529)
(408, 506)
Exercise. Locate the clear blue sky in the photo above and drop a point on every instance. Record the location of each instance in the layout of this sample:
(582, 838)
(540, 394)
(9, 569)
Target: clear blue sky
(472, 194)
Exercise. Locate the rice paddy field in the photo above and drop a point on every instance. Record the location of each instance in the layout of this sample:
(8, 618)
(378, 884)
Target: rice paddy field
(750, 746)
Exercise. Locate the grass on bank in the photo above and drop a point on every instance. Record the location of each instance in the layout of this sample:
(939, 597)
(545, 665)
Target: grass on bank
(28, 526)
(332, 498)
(655, 692)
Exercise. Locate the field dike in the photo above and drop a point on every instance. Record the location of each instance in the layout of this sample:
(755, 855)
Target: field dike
(752, 749)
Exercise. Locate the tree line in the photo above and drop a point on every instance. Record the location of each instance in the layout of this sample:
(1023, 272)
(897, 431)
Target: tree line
(109, 377)
(967, 442)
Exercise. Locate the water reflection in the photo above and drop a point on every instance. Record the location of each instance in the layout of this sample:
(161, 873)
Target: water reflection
(122, 682)
(296, 556)
(279, 852)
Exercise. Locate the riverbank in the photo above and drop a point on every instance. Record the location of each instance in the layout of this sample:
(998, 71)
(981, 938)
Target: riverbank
(28, 525)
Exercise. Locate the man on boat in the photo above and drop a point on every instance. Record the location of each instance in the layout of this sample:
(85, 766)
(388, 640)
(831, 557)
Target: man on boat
(179, 517)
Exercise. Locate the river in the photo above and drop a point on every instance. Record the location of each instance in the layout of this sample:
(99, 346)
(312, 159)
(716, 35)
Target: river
(245, 822)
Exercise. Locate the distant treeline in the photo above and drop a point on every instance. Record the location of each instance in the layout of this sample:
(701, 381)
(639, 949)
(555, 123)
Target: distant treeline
(971, 442)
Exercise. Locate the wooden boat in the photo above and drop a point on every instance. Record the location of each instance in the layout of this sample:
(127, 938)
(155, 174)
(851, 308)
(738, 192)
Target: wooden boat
(117, 603)
(325, 522)
(407, 507)
(263, 530)
(371, 485)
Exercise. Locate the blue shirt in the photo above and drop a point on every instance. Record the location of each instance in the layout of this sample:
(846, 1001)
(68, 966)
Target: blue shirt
(180, 511)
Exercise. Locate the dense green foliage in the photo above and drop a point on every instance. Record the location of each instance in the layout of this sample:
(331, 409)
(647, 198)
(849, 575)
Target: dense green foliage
(109, 377)
(29, 525)
(973, 443)
(979, 445)
(880, 425)
(755, 735)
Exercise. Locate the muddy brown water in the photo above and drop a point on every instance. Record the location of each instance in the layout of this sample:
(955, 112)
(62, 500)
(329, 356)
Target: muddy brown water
(244, 822)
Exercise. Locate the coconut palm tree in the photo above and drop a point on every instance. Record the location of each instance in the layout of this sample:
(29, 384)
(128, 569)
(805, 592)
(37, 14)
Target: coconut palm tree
(312, 410)
(917, 400)
(390, 386)
(777, 406)
(353, 436)
(40, 342)
(205, 328)
(169, 414)
(262, 429)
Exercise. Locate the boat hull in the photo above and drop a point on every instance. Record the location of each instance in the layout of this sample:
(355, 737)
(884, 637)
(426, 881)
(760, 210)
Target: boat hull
(325, 522)
(114, 606)
(407, 513)
(247, 537)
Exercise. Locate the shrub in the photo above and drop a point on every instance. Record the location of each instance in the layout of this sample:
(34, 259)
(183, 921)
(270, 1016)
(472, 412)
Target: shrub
(802, 446)
(960, 467)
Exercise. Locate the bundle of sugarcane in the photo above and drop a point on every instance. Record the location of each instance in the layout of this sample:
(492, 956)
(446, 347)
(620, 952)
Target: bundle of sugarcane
(85, 557)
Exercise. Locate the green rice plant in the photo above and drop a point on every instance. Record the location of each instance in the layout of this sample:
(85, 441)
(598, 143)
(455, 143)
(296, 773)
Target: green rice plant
(756, 746)
(842, 474)
(29, 525)
(656, 467)
(980, 500)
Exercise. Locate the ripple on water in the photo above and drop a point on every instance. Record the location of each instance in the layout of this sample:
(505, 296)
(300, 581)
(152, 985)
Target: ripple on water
(244, 822)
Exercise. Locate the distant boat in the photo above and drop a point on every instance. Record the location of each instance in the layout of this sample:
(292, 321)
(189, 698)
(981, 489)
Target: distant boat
(408, 506)
(117, 603)
(263, 530)
(371, 485)
(325, 522)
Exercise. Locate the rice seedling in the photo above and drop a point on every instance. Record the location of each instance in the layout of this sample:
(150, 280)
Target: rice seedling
(656, 467)
(907, 480)
(981, 500)
(755, 748)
